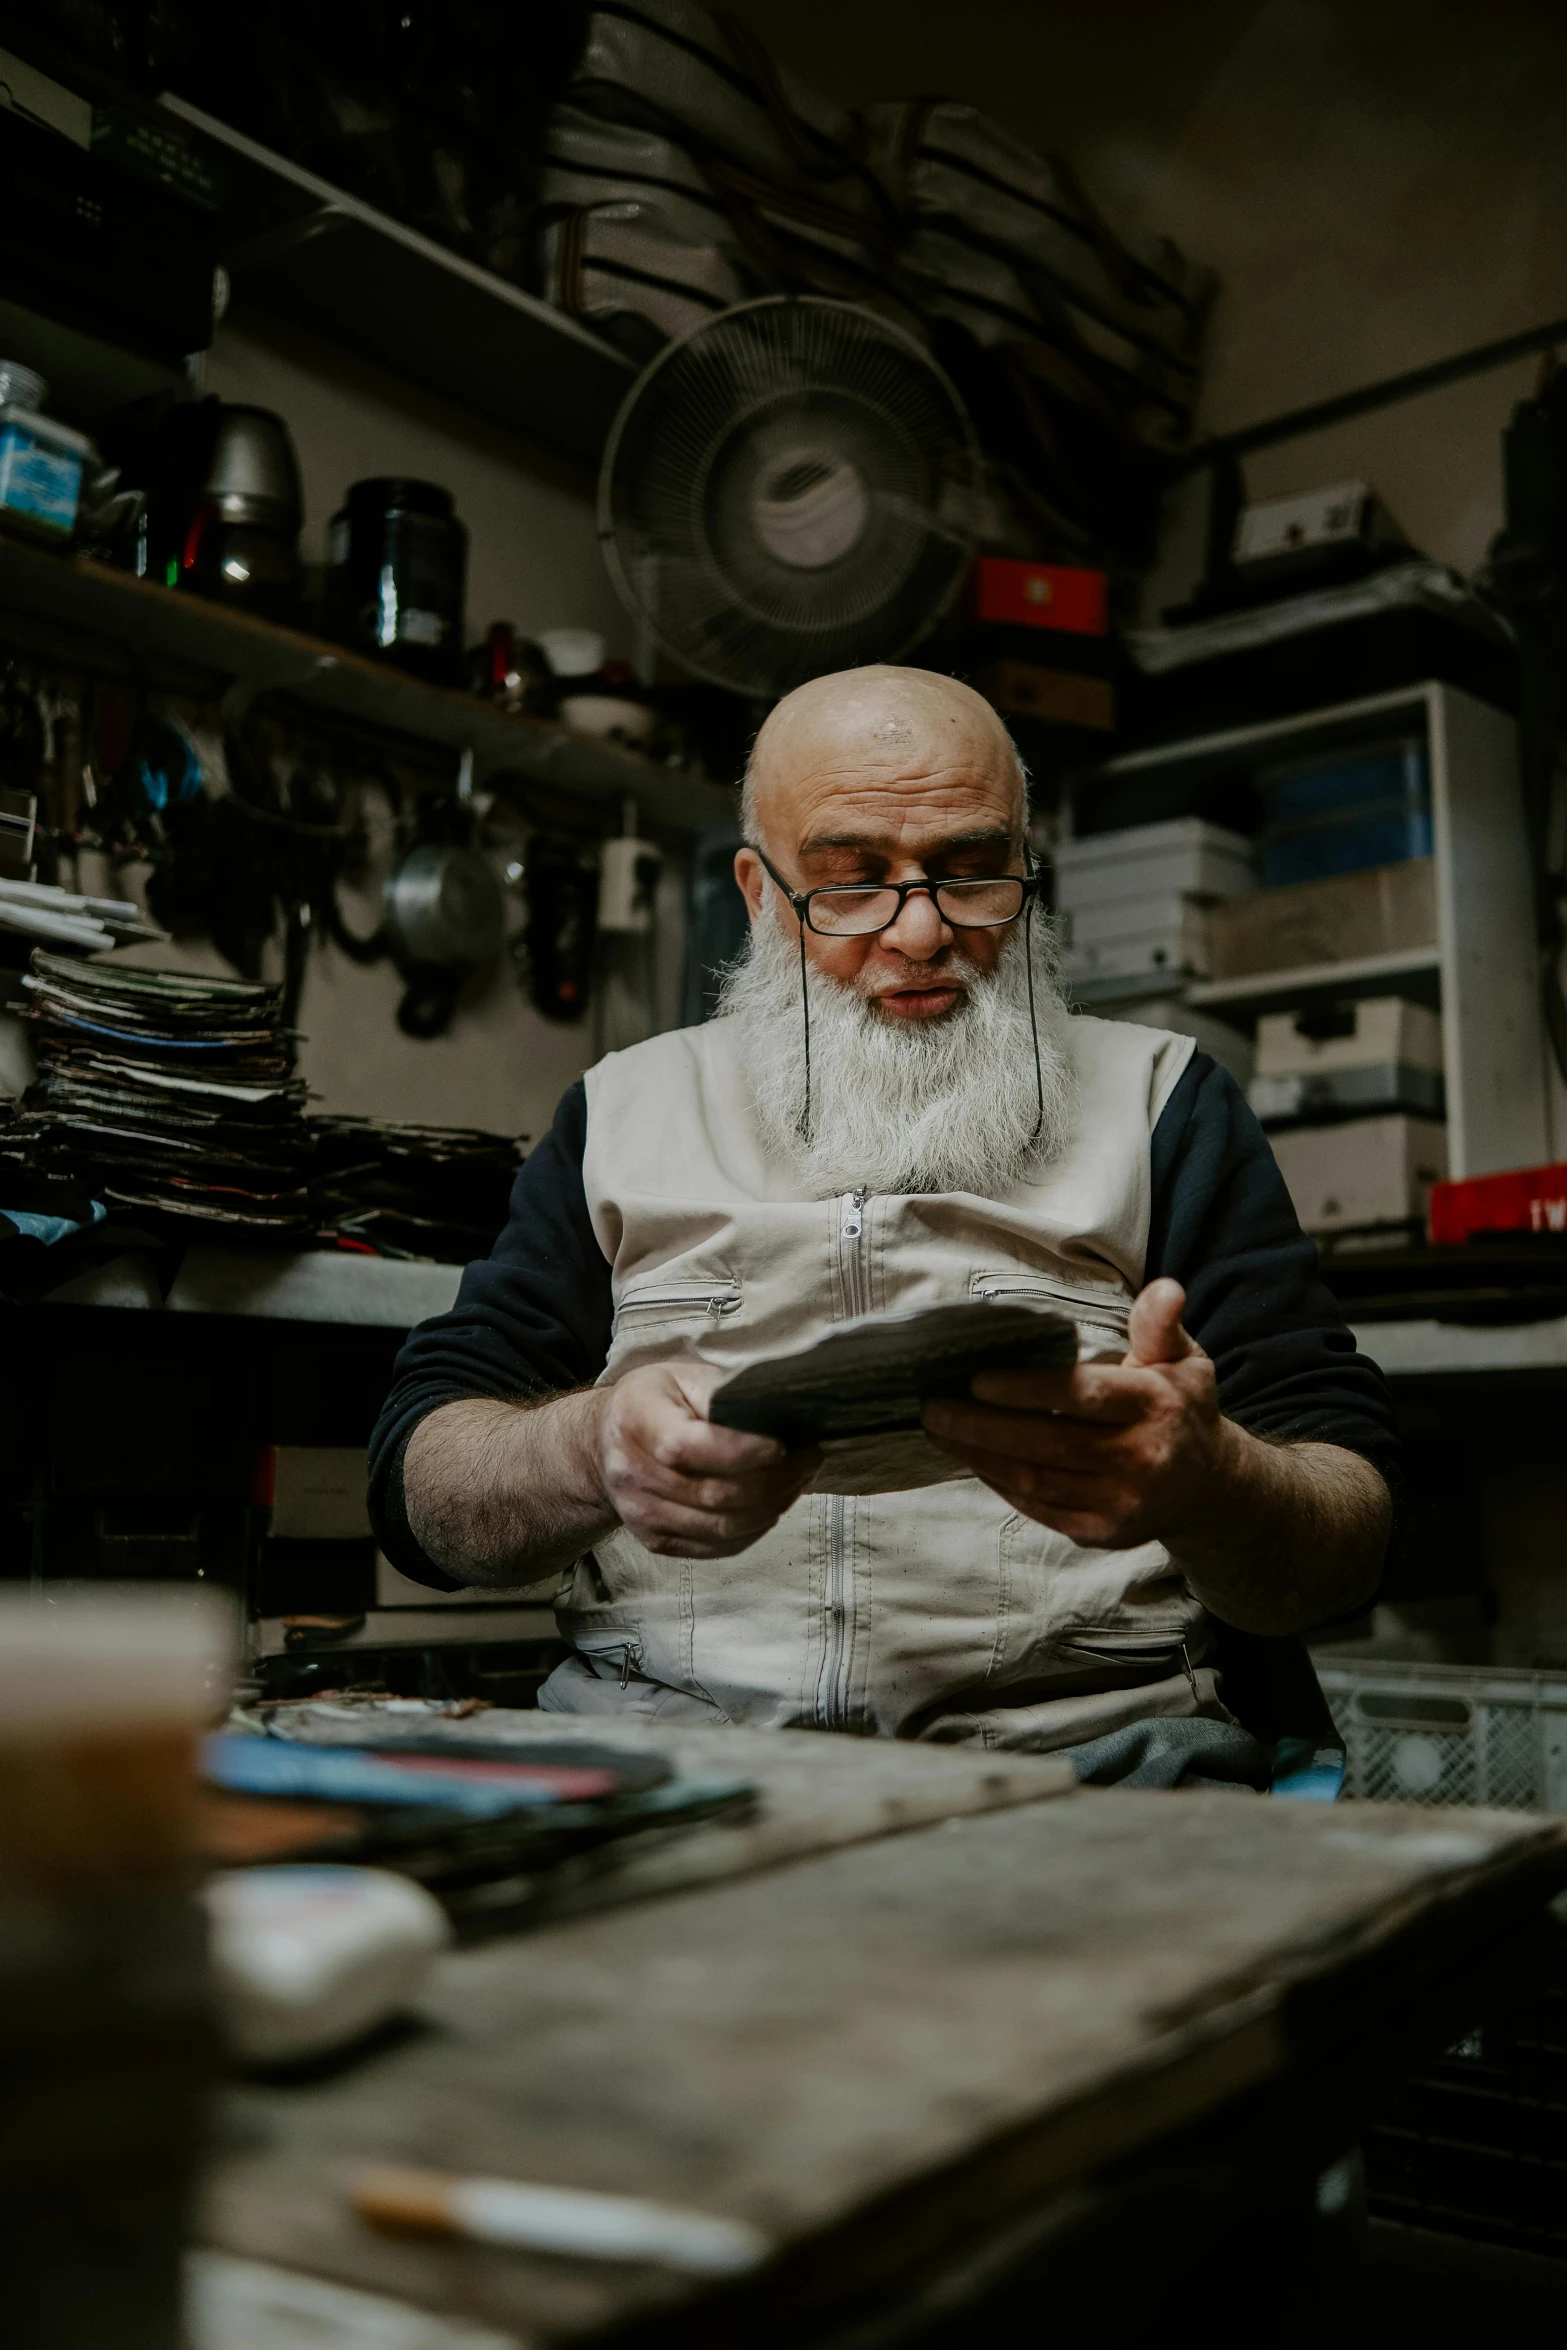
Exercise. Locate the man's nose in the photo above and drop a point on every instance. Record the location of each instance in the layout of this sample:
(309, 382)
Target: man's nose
(919, 932)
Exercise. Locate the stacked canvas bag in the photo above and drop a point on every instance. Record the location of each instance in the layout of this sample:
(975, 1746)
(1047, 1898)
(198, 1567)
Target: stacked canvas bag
(683, 171)
(1078, 355)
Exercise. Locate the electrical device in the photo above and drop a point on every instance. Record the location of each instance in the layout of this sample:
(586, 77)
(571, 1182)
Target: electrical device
(790, 489)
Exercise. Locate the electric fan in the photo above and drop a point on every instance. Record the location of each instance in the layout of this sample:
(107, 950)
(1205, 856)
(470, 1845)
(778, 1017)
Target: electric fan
(788, 490)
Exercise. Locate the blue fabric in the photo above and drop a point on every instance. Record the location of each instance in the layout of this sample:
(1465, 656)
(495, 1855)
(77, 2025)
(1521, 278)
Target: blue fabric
(1185, 1751)
(1305, 1772)
(49, 1229)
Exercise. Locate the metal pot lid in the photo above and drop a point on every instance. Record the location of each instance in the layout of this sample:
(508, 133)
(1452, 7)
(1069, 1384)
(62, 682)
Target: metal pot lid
(444, 905)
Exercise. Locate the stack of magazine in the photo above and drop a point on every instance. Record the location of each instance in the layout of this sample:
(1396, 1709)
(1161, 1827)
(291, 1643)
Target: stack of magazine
(169, 1092)
(414, 1191)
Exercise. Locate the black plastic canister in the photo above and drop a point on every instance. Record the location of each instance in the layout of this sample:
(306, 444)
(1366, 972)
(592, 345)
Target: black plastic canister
(399, 560)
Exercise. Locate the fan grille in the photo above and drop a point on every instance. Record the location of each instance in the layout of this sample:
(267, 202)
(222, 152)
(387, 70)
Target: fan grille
(789, 491)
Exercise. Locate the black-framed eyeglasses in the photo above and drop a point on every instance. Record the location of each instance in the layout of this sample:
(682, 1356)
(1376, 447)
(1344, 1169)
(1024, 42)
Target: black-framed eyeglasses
(858, 909)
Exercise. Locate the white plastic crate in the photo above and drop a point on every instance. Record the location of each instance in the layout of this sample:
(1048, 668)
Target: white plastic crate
(1419, 1733)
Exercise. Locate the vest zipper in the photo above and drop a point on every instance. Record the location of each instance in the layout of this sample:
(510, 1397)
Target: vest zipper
(833, 1707)
(833, 1703)
(851, 1231)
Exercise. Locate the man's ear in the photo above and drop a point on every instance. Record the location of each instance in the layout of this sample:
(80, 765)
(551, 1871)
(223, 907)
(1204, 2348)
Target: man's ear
(752, 878)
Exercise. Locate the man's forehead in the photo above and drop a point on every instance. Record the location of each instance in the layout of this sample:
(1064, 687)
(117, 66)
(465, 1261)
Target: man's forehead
(881, 753)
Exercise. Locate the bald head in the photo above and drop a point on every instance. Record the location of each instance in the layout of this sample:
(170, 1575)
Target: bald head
(876, 776)
(878, 735)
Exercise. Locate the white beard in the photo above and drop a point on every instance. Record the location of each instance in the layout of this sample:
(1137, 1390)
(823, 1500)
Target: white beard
(949, 1104)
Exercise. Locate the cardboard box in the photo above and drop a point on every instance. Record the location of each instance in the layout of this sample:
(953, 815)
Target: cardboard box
(1526, 1199)
(1389, 909)
(1368, 1171)
(316, 1492)
(1061, 697)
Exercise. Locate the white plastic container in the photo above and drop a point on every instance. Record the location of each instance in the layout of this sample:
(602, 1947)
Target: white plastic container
(307, 1959)
(1384, 1028)
(1433, 1733)
(40, 461)
(1132, 937)
(572, 652)
(1185, 857)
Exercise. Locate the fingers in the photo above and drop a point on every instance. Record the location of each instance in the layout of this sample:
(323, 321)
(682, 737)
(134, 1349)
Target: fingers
(672, 1531)
(700, 1517)
(1085, 1391)
(772, 1491)
(1154, 1330)
(1047, 1439)
(701, 1449)
(663, 1412)
(682, 1486)
(1095, 1511)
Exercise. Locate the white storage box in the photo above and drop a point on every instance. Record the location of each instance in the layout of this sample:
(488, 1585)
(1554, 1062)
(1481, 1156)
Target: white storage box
(1424, 1733)
(1123, 918)
(1186, 857)
(1384, 1028)
(1366, 1171)
(1389, 1058)
(1133, 936)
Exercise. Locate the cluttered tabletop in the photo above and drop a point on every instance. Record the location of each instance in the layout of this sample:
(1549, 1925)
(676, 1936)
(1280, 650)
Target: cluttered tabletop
(832, 2016)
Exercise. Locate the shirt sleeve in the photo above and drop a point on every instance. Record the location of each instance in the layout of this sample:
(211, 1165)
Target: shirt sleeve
(1224, 1226)
(531, 1319)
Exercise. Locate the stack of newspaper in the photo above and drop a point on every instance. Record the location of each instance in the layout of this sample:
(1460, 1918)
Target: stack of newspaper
(169, 1091)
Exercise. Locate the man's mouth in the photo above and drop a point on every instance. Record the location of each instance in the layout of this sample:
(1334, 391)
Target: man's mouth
(927, 1002)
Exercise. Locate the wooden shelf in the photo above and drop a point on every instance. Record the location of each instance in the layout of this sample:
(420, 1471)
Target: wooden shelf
(311, 253)
(102, 609)
(1277, 991)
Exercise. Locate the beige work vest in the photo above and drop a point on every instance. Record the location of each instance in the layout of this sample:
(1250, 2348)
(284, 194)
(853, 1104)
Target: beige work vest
(897, 1596)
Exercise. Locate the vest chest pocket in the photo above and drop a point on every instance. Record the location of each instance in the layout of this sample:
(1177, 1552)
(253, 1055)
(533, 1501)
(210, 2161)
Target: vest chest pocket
(610, 1653)
(1101, 1314)
(660, 1299)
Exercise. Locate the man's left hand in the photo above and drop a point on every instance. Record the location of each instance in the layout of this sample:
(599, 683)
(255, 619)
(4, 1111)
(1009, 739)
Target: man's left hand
(1109, 1454)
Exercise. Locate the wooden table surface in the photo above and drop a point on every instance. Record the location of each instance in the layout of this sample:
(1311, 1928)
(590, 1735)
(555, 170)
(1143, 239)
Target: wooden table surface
(876, 2051)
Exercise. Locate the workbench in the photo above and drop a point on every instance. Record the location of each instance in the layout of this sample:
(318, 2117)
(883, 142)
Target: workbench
(1005, 2045)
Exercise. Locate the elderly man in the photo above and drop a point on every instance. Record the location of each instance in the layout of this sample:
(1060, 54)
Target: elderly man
(894, 1109)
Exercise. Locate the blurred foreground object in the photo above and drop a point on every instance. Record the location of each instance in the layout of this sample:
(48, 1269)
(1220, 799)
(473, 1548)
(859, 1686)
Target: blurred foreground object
(306, 1960)
(105, 2047)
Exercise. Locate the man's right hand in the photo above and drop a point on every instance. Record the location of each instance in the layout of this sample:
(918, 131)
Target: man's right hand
(683, 1486)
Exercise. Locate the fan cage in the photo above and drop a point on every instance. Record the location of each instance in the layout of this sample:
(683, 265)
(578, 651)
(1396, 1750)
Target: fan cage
(753, 386)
